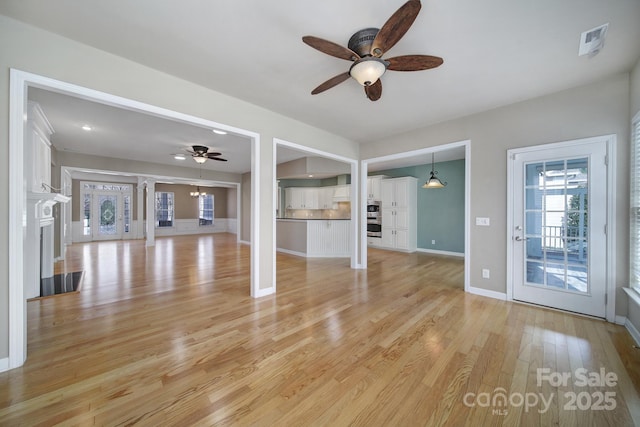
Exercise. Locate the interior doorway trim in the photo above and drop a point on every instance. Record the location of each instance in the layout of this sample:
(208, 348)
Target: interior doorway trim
(364, 169)
(19, 82)
(355, 249)
(610, 141)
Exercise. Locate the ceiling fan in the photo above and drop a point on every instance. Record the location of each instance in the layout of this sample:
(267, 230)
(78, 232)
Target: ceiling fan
(366, 47)
(201, 153)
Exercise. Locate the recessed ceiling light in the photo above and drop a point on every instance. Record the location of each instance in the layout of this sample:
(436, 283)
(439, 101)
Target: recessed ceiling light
(310, 176)
(219, 132)
(87, 128)
(179, 156)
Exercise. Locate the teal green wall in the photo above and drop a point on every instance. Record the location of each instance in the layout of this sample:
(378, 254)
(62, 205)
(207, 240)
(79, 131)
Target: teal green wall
(440, 211)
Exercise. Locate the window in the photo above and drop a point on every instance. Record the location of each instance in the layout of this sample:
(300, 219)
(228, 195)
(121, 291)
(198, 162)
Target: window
(164, 209)
(205, 209)
(634, 215)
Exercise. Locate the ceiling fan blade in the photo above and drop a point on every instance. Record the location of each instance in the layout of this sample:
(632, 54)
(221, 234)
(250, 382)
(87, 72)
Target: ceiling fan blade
(212, 155)
(374, 91)
(395, 27)
(413, 62)
(330, 48)
(334, 81)
(220, 159)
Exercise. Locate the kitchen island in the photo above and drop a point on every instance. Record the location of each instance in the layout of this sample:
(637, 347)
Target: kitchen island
(314, 238)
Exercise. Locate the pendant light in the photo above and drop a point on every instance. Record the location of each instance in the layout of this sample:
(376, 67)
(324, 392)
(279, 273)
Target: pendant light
(198, 193)
(433, 181)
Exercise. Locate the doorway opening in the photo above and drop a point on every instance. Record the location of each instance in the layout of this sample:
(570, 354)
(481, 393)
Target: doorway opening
(20, 82)
(400, 161)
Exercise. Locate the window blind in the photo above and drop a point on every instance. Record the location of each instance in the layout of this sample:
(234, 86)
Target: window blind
(635, 204)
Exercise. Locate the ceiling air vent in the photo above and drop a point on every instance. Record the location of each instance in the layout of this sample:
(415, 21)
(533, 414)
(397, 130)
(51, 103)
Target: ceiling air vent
(592, 41)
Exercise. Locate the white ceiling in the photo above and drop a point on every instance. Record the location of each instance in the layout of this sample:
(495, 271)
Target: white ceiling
(496, 52)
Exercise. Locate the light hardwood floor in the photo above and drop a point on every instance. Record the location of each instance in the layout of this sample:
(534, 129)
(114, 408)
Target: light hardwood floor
(169, 335)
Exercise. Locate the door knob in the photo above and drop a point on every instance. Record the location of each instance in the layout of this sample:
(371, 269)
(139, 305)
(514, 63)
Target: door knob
(520, 239)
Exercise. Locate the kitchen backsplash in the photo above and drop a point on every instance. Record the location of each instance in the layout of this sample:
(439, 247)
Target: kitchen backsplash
(342, 211)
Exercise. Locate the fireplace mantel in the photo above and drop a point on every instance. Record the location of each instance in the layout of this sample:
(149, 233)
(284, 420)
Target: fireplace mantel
(43, 203)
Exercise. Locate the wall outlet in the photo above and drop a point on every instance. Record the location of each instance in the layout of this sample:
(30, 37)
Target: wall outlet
(486, 273)
(485, 222)
(433, 242)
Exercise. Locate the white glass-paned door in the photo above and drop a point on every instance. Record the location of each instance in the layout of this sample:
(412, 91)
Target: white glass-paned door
(107, 217)
(559, 217)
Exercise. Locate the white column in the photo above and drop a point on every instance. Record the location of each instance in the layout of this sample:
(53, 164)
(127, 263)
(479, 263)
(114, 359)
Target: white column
(46, 261)
(32, 252)
(139, 233)
(151, 212)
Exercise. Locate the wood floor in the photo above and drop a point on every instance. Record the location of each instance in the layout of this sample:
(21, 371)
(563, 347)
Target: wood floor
(169, 335)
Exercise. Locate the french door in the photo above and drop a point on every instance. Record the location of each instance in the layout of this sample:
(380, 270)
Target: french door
(559, 218)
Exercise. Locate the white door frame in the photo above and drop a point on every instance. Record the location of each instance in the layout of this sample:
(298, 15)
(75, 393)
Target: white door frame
(355, 251)
(610, 141)
(364, 169)
(19, 82)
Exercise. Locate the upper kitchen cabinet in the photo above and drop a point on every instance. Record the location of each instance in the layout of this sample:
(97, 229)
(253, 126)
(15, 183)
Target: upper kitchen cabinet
(399, 213)
(37, 150)
(374, 187)
(325, 197)
(395, 192)
(301, 197)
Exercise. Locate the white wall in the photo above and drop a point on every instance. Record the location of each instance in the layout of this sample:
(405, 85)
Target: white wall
(596, 109)
(29, 49)
(633, 308)
(635, 90)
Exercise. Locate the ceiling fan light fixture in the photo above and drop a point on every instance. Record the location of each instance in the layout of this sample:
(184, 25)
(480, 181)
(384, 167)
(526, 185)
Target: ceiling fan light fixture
(200, 159)
(368, 70)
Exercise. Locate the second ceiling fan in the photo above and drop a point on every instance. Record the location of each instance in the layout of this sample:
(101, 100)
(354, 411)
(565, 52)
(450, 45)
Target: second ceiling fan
(366, 47)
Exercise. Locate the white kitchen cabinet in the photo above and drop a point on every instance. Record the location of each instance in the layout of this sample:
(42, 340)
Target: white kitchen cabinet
(325, 197)
(301, 198)
(374, 187)
(399, 213)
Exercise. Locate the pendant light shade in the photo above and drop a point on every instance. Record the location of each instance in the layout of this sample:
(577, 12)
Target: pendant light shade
(433, 181)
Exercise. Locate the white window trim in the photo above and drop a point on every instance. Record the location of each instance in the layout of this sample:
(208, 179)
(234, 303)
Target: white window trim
(634, 190)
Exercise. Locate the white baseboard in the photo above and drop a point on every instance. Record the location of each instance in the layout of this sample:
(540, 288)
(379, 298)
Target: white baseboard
(487, 293)
(296, 253)
(620, 320)
(437, 252)
(264, 292)
(633, 331)
(4, 364)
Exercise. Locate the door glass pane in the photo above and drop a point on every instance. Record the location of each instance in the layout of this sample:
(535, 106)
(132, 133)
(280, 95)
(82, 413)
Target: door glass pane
(127, 212)
(535, 273)
(86, 215)
(107, 211)
(556, 224)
